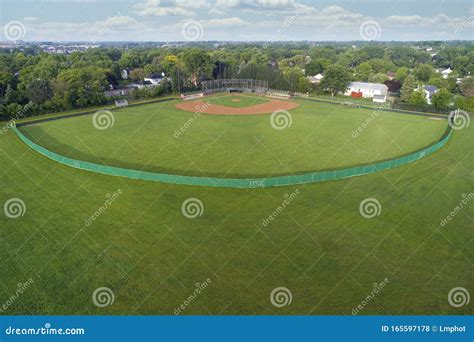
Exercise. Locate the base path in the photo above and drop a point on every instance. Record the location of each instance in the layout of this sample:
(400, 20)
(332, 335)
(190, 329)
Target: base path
(263, 108)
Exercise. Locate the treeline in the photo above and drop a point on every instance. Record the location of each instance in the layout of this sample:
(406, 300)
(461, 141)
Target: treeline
(33, 82)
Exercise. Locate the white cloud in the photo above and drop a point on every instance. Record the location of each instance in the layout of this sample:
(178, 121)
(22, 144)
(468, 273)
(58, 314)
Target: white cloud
(162, 8)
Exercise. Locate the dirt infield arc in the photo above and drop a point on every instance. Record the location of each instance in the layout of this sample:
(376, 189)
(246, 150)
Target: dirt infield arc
(263, 108)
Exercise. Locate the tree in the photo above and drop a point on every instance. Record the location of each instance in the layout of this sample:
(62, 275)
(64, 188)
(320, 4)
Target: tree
(363, 72)
(137, 74)
(198, 63)
(442, 99)
(336, 79)
(407, 89)
(378, 78)
(304, 85)
(39, 91)
(467, 86)
(423, 72)
(401, 74)
(417, 98)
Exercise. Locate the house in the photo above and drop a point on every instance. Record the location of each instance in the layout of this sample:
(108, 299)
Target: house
(368, 90)
(429, 91)
(155, 79)
(315, 79)
(446, 72)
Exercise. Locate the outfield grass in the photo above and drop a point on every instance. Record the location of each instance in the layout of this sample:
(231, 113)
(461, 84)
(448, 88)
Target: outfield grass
(238, 101)
(319, 138)
(319, 246)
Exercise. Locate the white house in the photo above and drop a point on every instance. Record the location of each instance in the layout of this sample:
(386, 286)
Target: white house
(429, 91)
(377, 91)
(155, 79)
(446, 72)
(315, 79)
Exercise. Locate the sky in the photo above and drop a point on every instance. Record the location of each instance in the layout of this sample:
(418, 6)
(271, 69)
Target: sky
(235, 20)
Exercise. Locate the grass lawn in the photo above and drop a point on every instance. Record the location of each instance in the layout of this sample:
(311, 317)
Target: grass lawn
(238, 100)
(319, 246)
(320, 137)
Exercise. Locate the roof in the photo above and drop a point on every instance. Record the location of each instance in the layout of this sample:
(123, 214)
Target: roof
(371, 86)
(430, 89)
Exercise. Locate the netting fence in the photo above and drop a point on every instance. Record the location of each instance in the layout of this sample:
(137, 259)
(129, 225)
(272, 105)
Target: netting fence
(311, 177)
(238, 85)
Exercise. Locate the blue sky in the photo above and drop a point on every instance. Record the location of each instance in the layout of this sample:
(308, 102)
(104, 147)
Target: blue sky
(267, 20)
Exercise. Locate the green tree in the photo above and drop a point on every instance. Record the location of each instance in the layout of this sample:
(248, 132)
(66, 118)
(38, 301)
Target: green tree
(198, 63)
(442, 99)
(423, 72)
(407, 89)
(336, 79)
(417, 98)
(401, 74)
(378, 78)
(363, 72)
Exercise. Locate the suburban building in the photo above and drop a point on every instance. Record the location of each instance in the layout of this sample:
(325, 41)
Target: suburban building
(154, 79)
(446, 72)
(315, 79)
(377, 91)
(429, 91)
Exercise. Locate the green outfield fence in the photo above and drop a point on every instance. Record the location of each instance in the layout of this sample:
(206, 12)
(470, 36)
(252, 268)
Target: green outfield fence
(311, 177)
